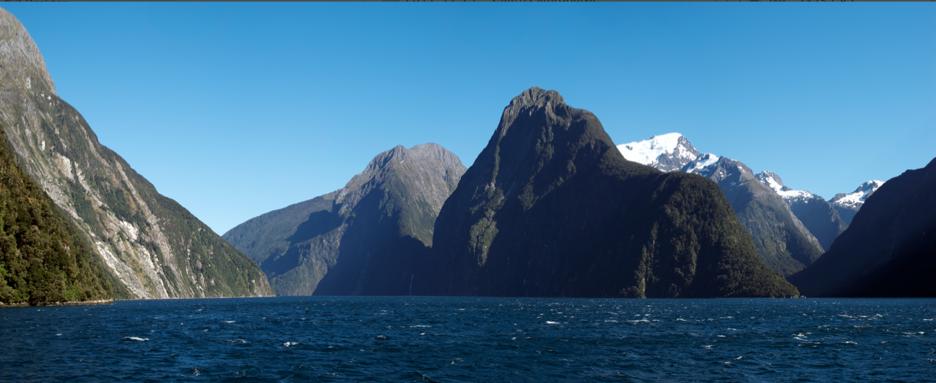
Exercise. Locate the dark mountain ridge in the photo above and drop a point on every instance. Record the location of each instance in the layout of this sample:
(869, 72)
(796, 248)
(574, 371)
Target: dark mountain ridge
(889, 249)
(551, 208)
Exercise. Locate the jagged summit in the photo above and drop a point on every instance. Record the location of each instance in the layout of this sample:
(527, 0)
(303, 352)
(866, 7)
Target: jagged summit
(536, 97)
(547, 105)
(857, 198)
(773, 181)
(21, 64)
(769, 176)
(760, 201)
(666, 152)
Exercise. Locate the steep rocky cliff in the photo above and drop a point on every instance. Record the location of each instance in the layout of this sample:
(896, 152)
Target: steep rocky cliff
(781, 239)
(151, 244)
(43, 257)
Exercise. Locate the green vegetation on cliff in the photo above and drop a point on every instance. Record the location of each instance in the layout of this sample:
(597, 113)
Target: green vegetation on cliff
(43, 257)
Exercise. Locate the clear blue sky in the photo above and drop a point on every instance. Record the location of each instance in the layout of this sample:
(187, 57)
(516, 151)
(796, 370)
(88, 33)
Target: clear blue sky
(237, 109)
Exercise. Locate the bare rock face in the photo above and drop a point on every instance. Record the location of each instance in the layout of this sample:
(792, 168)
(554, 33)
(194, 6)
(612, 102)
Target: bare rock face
(781, 239)
(370, 237)
(21, 64)
(150, 243)
(551, 208)
(817, 214)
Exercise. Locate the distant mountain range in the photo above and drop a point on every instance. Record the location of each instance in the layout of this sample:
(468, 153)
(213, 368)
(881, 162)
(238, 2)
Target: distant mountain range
(781, 239)
(848, 204)
(153, 247)
(550, 207)
(788, 238)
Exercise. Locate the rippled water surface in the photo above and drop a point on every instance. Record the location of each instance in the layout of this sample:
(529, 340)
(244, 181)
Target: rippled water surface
(472, 339)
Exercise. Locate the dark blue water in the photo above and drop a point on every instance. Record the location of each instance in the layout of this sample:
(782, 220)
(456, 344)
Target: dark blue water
(472, 339)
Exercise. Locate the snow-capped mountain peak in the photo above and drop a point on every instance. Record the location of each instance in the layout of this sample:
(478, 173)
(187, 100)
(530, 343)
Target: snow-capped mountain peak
(857, 198)
(701, 162)
(666, 152)
(773, 181)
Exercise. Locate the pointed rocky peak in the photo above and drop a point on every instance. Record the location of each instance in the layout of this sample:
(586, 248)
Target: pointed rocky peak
(724, 168)
(21, 64)
(547, 105)
(428, 154)
(857, 198)
(419, 165)
(774, 182)
(701, 162)
(536, 97)
(771, 179)
(385, 159)
(870, 186)
(435, 153)
(667, 152)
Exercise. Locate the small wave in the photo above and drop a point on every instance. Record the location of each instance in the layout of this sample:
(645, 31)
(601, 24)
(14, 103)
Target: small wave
(290, 344)
(420, 326)
(636, 321)
(549, 322)
(707, 346)
(135, 339)
(849, 342)
(229, 321)
(238, 341)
